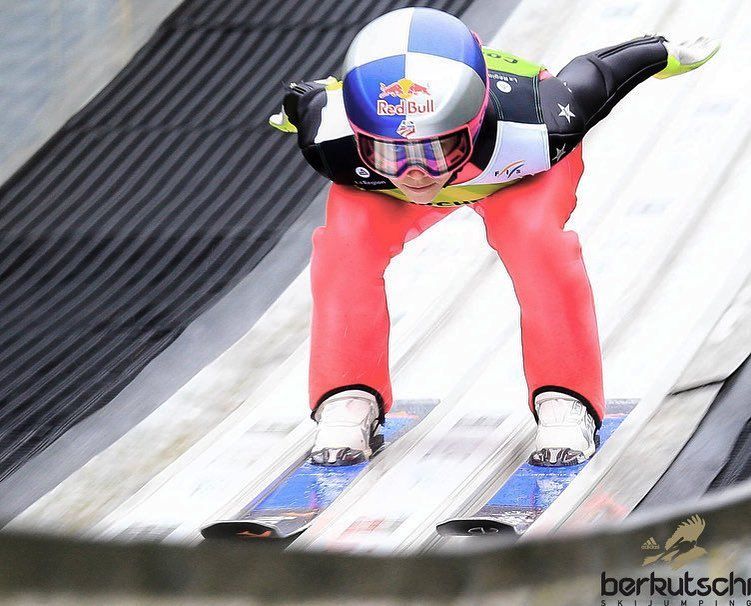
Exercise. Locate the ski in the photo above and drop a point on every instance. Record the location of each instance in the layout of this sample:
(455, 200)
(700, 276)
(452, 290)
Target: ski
(290, 504)
(530, 490)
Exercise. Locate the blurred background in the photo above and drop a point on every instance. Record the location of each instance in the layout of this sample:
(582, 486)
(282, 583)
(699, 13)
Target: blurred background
(56, 56)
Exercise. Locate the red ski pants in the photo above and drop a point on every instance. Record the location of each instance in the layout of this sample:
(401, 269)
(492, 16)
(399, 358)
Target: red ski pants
(524, 224)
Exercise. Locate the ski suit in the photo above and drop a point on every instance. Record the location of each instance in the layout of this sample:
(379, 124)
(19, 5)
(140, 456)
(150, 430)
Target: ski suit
(521, 179)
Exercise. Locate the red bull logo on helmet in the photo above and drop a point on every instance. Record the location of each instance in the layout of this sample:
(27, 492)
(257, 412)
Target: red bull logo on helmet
(404, 89)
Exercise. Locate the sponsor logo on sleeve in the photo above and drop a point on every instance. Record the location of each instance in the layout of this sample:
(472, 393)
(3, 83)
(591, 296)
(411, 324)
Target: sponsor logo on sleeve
(503, 86)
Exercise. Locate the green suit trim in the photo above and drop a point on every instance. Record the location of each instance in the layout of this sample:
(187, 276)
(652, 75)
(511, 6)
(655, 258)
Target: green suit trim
(456, 195)
(676, 68)
(500, 61)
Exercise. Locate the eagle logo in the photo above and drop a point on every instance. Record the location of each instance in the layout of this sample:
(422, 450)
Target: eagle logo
(681, 548)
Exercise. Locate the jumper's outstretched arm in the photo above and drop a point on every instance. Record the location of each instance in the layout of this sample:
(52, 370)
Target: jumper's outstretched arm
(590, 86)
(600, 79)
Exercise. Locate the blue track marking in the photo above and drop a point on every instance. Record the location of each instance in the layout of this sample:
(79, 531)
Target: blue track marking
(531, 489)
(311, 488)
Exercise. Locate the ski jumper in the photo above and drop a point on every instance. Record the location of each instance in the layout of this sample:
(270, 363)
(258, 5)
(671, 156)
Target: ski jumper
(521, 179)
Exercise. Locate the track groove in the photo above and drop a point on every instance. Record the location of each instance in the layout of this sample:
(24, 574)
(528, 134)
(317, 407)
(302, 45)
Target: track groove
(153, 201)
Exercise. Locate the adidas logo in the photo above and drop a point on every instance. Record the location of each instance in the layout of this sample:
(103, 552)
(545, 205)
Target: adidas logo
(650, 543)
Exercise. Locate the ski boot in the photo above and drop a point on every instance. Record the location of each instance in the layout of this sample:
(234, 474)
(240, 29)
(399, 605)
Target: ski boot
(565, 431)
(686, 56)
(347, 434)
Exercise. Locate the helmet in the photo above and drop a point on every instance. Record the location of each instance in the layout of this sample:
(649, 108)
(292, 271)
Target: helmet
(415, 91)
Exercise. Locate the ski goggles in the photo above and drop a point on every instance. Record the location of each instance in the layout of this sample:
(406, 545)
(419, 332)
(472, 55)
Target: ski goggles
(436, 155)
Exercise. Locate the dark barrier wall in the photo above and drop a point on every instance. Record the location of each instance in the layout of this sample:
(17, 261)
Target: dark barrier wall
(557, 571)
(154, 200)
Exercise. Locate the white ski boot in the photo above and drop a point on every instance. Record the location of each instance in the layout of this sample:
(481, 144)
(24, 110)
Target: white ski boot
(565, 431)
(347, 426)
(686, 56)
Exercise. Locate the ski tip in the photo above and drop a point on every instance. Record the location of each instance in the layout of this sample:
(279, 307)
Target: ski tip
(240, 529)
(471, 527)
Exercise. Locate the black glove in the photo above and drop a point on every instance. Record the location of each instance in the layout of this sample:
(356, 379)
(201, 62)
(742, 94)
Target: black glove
(296, 96)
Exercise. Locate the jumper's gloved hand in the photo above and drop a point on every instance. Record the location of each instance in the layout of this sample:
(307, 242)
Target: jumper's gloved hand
(288, 118)
(281, 122)
(686, 56)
